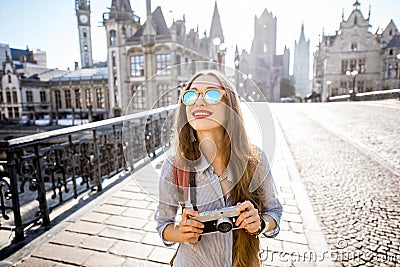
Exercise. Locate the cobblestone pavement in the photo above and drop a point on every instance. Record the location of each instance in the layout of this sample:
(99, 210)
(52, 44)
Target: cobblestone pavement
(347, 155)
(118, 228)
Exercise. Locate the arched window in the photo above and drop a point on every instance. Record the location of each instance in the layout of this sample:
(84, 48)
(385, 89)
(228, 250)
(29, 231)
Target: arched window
(113, 36)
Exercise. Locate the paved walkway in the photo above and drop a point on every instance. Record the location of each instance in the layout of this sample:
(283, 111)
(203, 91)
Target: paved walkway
(117, 229)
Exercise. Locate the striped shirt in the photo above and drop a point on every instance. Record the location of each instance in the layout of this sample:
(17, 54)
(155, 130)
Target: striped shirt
(213, 249)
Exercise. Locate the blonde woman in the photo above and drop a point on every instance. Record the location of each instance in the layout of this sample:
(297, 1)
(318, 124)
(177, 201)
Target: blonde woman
(225, 170)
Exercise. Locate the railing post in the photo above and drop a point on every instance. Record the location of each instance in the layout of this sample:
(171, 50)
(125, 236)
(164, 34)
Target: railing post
(12, 168)
(97, 157)
(42, 190)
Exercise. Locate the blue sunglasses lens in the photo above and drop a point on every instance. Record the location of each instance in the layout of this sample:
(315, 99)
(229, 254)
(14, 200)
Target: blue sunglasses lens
(212, 96)
(189, 97)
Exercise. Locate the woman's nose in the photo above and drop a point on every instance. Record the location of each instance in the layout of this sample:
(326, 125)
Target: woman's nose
(200, 100)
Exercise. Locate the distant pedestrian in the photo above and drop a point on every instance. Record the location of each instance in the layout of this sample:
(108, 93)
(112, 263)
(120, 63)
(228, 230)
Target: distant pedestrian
(226, 170)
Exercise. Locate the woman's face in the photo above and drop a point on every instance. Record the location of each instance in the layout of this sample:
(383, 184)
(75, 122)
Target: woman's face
(203, 116)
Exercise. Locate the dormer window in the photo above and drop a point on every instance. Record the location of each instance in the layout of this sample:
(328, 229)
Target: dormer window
(353, 47)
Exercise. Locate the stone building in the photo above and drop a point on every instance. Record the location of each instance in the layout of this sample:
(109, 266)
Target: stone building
(24, 91)
(389, 39)
(140, 56)
(301, 65)
(356, 60)
(262, 65)
(80, 94)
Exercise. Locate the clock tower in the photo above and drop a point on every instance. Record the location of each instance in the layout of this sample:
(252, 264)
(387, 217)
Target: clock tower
(82, 8)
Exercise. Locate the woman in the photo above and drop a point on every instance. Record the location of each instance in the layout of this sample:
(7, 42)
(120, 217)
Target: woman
(212, 141)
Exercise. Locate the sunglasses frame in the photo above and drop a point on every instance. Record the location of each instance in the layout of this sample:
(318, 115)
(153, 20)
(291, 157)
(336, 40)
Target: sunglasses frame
(202, 93)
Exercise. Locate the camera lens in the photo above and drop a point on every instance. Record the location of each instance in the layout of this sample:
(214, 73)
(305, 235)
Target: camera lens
(224, 225)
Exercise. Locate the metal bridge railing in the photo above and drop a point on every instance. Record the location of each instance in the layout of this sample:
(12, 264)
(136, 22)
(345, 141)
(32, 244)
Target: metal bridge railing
(42, 171)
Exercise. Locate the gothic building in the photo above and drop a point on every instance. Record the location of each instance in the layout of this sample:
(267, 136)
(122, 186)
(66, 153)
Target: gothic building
(356, 60)
(301, 65)
(262, 65)
(141, 56)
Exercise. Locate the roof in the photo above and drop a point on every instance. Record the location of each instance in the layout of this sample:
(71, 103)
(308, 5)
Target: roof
(159, 24)
(83, 74)
(395, 42)
(32, 71)
(17, 53)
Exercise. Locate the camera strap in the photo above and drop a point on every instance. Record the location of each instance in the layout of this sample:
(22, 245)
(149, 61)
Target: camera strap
(185, 181)
(192, 187)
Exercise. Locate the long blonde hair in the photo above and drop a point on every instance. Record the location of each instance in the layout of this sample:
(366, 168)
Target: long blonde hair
(241, 157)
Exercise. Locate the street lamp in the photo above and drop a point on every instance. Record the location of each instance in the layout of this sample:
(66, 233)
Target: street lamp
(328, 83)
(353, 92)
(220, 49)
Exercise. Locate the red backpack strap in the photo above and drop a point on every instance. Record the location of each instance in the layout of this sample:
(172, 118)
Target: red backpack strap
(181, 180)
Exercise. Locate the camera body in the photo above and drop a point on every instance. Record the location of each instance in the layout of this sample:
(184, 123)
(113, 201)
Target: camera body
(222, 220)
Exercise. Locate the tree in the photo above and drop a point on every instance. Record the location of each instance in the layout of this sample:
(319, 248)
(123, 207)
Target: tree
(287, 88)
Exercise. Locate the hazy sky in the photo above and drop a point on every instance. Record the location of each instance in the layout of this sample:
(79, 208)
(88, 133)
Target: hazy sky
(51, 25)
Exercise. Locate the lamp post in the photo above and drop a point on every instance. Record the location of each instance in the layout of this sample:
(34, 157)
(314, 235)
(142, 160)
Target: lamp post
(220, 48)
(353, 92)
(328, 83)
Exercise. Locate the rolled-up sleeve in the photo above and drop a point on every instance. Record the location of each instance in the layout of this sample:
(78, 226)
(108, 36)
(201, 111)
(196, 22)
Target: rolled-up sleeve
(272, 205)
(167, 208)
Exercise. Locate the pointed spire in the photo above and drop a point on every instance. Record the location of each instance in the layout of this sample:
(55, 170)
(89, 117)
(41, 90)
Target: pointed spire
(342, 14)
(369, 12)
(149, 28)
(356, 5)
(216, 27)
(237, 59)
(302, 38)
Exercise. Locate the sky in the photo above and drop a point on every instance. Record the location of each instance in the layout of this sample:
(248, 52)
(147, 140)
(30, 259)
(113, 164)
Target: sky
(51, 25)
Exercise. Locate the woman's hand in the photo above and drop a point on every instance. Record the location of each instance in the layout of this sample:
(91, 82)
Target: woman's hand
(189, 229)
(248, 218)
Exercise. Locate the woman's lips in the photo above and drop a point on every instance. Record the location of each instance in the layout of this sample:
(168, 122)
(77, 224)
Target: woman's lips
(201, 114)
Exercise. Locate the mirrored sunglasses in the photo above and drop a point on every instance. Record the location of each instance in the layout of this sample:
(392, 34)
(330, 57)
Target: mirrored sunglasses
(211, 96)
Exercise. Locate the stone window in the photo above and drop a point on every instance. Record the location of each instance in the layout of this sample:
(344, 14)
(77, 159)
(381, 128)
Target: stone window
(43, 97)
(88, 96)
(353, 47)
(361, 66)
(67, 95)
(113, 35)
(57, 95)
(99, 98)
(77, 99)
(138, 97)
(29, 96)
(163, 64)
(137, 66)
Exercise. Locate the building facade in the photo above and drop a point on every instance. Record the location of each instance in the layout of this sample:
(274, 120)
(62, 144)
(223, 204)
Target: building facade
(261, 65)
(24, 92)
(356, 60)
(80, 94)
(141, 56)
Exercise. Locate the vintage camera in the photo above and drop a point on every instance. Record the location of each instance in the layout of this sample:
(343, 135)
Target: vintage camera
(222, 220)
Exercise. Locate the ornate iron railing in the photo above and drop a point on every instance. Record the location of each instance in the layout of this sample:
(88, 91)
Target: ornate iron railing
(42, 171)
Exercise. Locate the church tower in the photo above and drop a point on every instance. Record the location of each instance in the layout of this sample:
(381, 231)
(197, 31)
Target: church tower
(82, 8)
(301, 64)
(217, 38)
